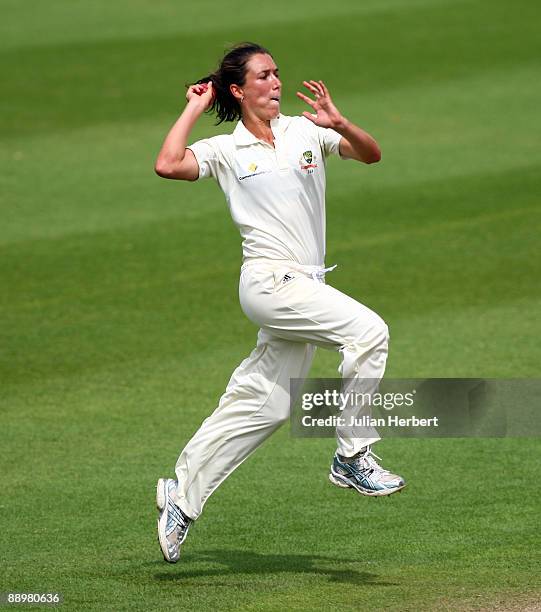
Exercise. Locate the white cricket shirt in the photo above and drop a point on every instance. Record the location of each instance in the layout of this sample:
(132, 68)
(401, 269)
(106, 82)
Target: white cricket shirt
(276, 195)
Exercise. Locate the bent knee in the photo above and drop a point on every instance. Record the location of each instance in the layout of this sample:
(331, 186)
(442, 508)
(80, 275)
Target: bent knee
(281, 418)
(374, 334)
(273, 419)
(382, 332)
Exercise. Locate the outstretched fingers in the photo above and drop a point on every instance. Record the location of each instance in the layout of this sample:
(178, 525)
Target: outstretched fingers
(310, 86)
(309, 116)
(314, 87)
(320, 104)
(324, 88)
(306, 99)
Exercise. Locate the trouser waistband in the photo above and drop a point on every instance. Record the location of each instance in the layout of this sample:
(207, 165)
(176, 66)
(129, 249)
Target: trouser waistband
(316, 272)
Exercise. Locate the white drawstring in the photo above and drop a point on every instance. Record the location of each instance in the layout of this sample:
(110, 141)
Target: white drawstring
(319, 275)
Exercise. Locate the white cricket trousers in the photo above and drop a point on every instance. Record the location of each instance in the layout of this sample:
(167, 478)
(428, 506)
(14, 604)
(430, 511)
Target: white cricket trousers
(296, 312)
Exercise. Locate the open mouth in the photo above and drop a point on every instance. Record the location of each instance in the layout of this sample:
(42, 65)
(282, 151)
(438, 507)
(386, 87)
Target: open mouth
(275, 99)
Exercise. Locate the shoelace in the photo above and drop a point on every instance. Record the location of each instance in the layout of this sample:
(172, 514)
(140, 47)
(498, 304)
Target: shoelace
(368, 461)
(176, 516)
(318, 275)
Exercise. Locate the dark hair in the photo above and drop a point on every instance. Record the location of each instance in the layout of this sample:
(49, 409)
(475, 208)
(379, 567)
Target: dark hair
(231, 71)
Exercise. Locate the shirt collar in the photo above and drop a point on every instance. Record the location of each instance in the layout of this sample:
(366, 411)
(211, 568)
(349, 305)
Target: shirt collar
(243, 136)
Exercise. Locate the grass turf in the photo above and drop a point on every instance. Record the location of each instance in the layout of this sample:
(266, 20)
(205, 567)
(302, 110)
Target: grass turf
(116, 287)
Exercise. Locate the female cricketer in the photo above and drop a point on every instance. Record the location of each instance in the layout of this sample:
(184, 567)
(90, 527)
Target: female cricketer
(272, 172)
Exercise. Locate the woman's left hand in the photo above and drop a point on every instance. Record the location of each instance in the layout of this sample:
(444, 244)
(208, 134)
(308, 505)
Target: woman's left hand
(326, 113)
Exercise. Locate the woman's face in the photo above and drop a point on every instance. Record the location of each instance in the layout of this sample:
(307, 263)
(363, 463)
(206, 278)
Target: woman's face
(262, 88)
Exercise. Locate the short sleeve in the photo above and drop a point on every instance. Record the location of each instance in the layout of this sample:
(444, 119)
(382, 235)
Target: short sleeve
(206, 154)
(329, 141)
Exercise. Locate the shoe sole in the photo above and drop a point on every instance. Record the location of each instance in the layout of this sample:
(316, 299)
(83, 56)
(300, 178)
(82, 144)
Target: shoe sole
(161, 504)
(345, 483)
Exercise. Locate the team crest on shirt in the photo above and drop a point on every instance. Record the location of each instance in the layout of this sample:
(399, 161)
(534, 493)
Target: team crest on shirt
(307, 162)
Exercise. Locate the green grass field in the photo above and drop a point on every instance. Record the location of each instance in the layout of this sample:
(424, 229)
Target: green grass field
(120, 322)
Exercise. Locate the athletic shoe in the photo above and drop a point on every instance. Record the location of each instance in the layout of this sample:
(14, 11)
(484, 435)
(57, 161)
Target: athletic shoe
(365, 475)
(173, 524)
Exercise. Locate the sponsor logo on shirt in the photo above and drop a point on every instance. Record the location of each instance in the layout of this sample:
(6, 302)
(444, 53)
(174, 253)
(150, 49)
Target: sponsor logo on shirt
(252, 171)
(307, 162)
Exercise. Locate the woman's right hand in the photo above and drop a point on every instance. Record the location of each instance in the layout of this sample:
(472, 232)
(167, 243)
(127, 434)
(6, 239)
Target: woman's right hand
(202, 93)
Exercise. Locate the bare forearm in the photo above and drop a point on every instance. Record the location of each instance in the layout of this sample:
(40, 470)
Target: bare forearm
(362, 146)
(174, 146)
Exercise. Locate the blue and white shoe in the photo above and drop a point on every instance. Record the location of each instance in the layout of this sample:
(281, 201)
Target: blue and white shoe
(365, 475)
(173, 524)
